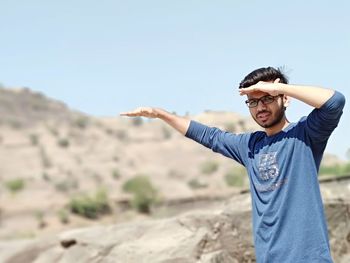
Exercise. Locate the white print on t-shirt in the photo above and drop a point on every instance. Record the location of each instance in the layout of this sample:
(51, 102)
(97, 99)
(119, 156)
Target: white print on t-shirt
(272, 187)
(268, 167)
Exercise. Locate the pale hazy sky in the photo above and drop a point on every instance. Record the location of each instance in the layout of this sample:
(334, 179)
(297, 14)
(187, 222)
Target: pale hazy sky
(104, 57)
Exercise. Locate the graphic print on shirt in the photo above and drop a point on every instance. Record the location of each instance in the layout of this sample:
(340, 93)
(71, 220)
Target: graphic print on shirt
(268, 167)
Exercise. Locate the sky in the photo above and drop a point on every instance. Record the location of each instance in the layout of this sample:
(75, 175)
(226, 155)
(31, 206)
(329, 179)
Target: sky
(186, 56)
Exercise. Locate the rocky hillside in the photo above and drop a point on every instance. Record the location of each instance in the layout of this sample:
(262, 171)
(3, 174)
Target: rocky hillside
(61, 169)
(25, 108)
(51, 154)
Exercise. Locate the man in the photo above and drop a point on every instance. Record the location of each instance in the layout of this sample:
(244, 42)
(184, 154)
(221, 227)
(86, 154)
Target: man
(282, 162)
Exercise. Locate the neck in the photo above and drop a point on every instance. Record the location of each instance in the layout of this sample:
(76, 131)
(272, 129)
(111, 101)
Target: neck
(277, 128)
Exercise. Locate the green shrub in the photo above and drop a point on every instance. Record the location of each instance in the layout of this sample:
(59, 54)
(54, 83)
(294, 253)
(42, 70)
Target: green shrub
(67, 185)
(137, 121)
(34, 139)
(196, 184)
(101, 200)
(62, 186)
(15, 185)
(144, 193)
(53, 130)
(40, 216)
(63, 216)
(45, 159)
(336, 169)
(63, 142)
(209, 167)
(115, 174)
(166, 133)
(91, 206)
(346, 169)
(81, 122)
(235, 177)
(46, 177)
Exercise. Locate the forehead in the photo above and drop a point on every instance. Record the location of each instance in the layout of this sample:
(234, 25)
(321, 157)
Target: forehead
(256, 95)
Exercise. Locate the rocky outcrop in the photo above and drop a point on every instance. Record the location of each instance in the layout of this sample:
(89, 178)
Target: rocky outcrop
(222, 236)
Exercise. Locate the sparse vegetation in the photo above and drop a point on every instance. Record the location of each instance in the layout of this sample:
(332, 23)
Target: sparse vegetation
(116, 174)
(67, 185)
(121, 135)
(235, 177)
(46, 177)
(63, 142)
(209, 167)
(45, 160)
(109, 131)
(242, 124)
(15, 124)
(336, 169)
(63, 216)
(81, 122)
(137, 121)
(166, 133)
(91, 206)
(175, 174)
(40, 216)
(144, 193)
(15, 185)
(34, 139)
(53, 130)
(231, 127)
(195, 183)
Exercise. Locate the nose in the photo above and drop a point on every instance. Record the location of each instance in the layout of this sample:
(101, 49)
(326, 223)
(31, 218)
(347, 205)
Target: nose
(260, 106)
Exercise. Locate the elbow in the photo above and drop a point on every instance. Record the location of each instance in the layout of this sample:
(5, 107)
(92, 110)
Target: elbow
(340, 100)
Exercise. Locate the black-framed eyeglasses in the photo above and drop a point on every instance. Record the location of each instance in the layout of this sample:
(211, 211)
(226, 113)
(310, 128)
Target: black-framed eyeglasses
(252, 103)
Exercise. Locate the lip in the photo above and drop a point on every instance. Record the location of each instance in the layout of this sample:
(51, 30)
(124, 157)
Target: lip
(263, 116)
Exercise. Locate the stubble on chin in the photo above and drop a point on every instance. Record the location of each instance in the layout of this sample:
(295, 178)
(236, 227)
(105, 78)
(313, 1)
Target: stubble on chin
(276, 119)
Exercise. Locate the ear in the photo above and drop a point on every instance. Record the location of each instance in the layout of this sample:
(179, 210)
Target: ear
(286, 100)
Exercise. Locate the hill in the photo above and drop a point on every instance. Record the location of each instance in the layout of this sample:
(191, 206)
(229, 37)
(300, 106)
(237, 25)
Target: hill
(56, 161)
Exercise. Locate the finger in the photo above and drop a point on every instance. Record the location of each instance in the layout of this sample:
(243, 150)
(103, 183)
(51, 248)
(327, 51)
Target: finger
(277, 80)
(248, 90)
(124, 113)
(130, 113)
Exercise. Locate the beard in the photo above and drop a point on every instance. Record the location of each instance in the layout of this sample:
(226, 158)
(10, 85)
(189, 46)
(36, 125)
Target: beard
(276, 119)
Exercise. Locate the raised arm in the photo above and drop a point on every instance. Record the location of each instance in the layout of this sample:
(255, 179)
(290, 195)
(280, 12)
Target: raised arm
(231, 145)
(179, 123)
(313, 96)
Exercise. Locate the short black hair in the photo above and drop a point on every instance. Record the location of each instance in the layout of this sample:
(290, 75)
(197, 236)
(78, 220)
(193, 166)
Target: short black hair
(263, 74)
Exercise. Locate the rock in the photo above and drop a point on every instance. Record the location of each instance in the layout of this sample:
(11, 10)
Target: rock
(196, 237)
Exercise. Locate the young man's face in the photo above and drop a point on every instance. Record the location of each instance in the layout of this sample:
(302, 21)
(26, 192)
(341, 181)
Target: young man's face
(269, 114)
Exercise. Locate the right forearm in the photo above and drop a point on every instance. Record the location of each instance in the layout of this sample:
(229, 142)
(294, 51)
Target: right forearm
(179, 123)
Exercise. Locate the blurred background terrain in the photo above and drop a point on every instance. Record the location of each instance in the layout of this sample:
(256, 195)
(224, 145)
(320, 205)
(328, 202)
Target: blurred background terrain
(63, 169)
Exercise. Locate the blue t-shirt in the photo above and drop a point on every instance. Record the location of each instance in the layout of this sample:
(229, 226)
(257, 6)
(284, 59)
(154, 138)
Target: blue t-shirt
(289, 224)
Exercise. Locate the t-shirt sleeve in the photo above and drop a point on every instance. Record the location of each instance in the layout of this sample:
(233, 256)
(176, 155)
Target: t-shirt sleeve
(228, 144)
(321, 122)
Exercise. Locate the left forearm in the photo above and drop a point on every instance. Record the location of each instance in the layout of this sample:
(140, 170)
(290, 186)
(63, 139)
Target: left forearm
(313, 96)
